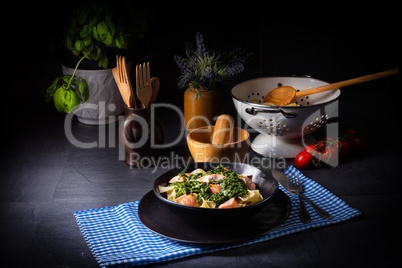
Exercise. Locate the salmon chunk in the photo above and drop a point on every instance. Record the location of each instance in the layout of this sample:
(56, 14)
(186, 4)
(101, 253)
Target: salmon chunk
(250, 184)
(178, 178)
(214, 188)
(231, 203)
(211, 177)
(188, 200)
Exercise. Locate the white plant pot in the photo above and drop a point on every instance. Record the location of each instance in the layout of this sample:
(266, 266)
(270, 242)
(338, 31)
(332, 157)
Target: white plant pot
(104, 103)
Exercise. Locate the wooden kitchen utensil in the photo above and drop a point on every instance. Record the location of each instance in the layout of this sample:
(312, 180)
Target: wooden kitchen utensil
(143, 83)
(286, 94)
(121, 77)
(155, 83)
(133, 98)
(202, 150)
(223, 131)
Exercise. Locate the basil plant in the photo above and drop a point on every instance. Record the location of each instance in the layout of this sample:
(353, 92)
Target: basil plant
(94, 32)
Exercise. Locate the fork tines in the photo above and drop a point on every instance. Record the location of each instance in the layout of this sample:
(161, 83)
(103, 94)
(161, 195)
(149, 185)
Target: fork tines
(143, 83)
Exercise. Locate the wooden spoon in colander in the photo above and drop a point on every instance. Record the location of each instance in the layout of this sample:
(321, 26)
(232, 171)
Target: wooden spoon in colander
(286, 94)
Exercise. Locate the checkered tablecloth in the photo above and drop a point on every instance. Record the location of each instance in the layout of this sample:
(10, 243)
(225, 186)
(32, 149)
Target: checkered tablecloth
(117, 238)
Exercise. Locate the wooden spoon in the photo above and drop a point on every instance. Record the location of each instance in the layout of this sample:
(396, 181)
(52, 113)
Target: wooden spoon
(223, 131)
(287, 94)
(155, 83)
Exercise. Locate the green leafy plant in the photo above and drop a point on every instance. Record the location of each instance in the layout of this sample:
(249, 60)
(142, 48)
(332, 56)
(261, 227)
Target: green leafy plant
(63, 91)
(94, 32)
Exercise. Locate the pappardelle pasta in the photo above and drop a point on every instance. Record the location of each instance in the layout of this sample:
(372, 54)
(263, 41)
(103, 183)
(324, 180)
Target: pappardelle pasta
(216, 188)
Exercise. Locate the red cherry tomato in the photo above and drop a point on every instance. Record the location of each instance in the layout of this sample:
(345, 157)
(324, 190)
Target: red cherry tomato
(321, 145)
(312, 149)
(327, 139)
(349, 132)
(303, 159)
(329, 153)
(356, 144)
(343, 148)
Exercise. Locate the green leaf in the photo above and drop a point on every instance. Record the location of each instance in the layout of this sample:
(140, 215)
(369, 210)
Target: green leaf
(105, 33)
(96, 34)
(103, 61)
(78, 45)
(65, 100)
(69, 42)
(52, 89)
(84, 90)
(82, 13)
(88, 42)
(65, 78)
(75, 52)
(121, 41)
(85, 32)
(111, 25)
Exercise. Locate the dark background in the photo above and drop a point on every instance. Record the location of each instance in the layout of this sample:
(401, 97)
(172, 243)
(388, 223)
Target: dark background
(43, 178)
(325, 44)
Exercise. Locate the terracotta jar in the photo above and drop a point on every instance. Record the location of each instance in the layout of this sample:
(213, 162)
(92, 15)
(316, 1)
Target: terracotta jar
(200, 110)
(140, 133)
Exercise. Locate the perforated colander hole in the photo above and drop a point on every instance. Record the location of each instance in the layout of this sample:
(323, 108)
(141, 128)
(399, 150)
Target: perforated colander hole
(307, 102)
(254, 97)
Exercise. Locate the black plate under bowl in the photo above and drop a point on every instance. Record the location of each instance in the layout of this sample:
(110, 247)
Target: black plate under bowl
(265, 183)
(156, 216)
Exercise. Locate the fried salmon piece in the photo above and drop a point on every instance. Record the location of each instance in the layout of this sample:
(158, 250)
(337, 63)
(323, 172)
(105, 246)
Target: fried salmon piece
(178, 178)
(188, 200)
(231, 203)
(214, 188)
(250, 184)
(212, 177)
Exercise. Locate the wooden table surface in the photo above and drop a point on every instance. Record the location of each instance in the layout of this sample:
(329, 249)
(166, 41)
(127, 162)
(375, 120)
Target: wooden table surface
(44, 179)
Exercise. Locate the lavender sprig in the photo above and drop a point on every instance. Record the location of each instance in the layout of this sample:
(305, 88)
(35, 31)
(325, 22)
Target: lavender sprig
(203, 69)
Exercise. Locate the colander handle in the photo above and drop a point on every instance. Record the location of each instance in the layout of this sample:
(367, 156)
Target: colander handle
(254, 111)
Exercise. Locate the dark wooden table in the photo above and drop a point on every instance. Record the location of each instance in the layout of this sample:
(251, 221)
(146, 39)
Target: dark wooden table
(44, 179)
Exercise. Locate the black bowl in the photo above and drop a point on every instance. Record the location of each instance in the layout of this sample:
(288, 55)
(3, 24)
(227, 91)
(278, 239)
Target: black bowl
(265, 183)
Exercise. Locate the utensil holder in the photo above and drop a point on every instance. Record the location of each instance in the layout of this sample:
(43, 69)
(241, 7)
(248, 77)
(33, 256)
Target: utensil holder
(140, 132)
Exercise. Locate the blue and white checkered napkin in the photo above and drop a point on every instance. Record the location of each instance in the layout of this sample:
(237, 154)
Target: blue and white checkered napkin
(116, 236)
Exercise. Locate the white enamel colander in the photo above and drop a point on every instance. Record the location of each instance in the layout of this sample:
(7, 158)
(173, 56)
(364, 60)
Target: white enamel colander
(284, 130)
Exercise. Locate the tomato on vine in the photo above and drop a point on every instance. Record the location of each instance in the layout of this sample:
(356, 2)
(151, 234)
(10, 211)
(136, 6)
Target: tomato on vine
(303, 159)
(329, 149)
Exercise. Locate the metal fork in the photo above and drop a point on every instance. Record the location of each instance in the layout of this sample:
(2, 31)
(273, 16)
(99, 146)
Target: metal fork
(296, 187)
